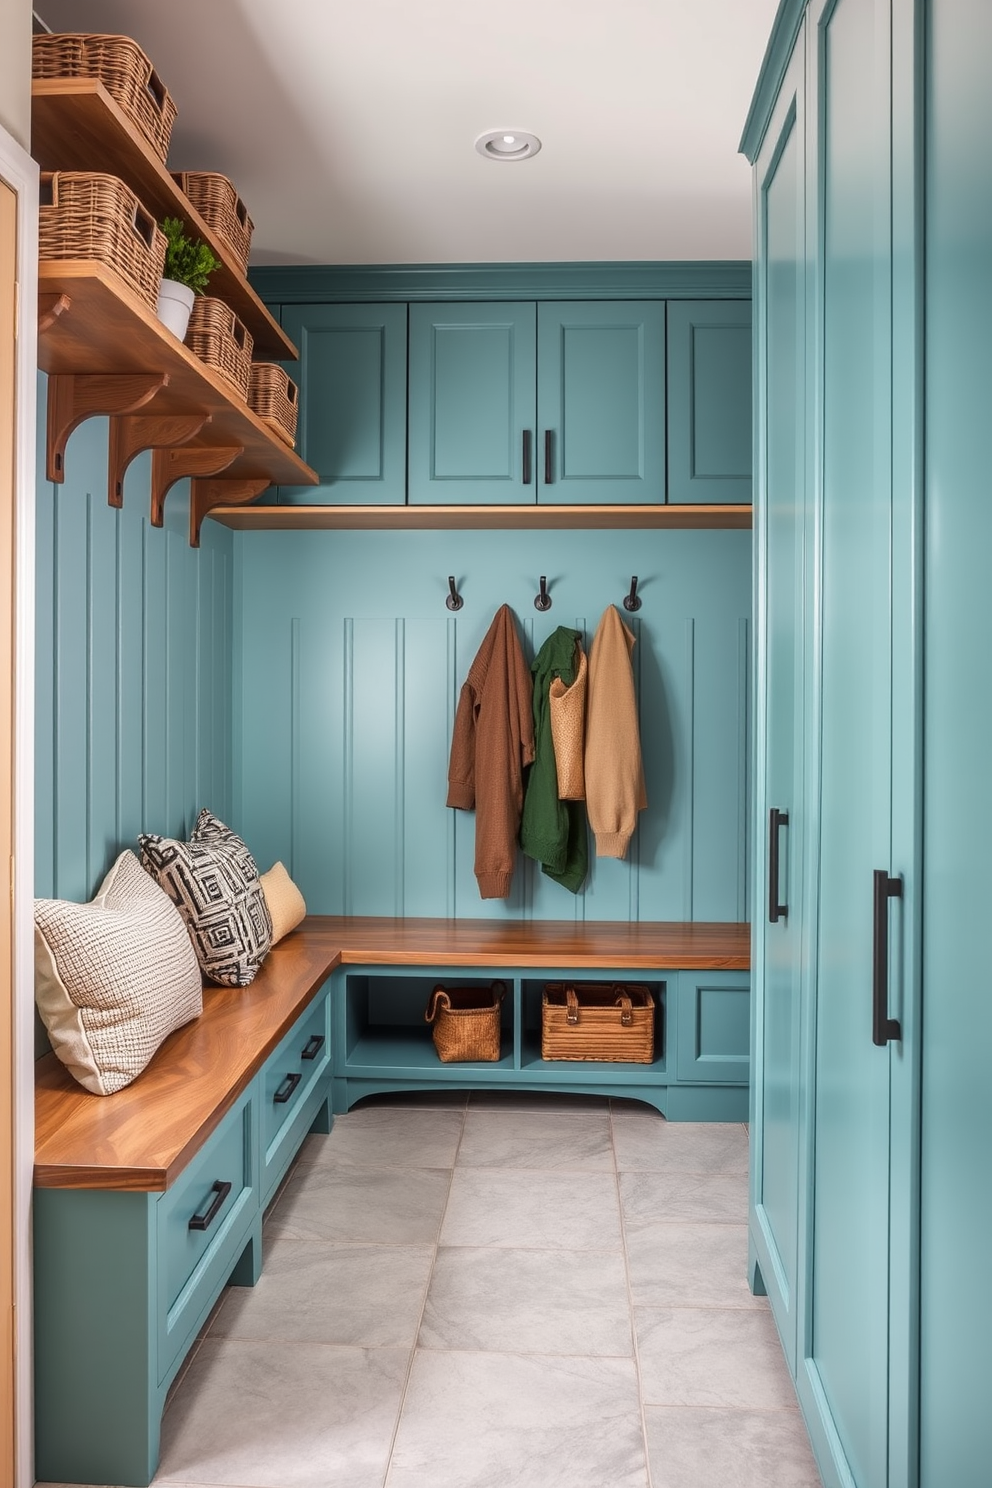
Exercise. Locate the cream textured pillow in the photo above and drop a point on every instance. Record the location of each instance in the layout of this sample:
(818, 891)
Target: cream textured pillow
(287, 906)
(213, 881)
(113, 977)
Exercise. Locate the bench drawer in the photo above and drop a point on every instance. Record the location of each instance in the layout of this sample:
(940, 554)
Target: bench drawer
(292, 1071)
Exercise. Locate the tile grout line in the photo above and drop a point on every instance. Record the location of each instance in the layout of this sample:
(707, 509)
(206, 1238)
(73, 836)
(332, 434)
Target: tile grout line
(630, 1305)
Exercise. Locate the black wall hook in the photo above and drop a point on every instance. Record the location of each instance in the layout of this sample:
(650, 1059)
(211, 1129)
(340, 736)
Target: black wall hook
(543, 600)
(632, 601)
(454, 600)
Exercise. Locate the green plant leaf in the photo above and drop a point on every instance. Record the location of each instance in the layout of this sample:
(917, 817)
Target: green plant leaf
(187, 260)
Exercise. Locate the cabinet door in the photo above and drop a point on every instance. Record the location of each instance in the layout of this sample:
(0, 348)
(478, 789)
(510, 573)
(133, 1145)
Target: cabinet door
(472, 394)
(709, 401)
(352, 418)
(601, 402)
(777, 1130)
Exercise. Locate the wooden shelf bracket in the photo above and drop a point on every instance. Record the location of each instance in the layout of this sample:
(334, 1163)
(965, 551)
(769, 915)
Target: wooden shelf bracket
(50, 307)
(132, 433)
(76, 396)
(171, 465)
(206, 494)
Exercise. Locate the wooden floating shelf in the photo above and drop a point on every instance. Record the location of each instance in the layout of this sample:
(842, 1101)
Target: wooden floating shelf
(108, 329)
(438, 518)
(77, 125)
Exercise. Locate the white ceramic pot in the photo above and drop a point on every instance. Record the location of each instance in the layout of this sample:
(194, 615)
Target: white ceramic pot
(175, 303)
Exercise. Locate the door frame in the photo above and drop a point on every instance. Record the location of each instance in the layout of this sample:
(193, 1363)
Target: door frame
(20, 173)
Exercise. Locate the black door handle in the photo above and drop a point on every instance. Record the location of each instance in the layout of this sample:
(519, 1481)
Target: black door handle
(313, 1046)
(287, 1087)
(883, 1028)
(527, 475)
(549, 461)
(203, 1221)
(776, 911)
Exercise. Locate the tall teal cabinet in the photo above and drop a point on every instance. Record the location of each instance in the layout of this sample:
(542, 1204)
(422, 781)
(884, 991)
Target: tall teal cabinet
(870, 1204)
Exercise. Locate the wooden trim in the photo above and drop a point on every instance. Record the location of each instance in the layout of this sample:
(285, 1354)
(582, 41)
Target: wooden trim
(526, 518)
(142, 1137)
(785, 29)
(645, 280)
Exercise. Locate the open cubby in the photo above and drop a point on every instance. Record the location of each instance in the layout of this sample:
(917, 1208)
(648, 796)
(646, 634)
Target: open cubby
(532, 993)
(385, 1027)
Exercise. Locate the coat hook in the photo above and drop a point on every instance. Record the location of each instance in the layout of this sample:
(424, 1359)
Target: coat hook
(632, 600)
(543, 600)
(454, 600)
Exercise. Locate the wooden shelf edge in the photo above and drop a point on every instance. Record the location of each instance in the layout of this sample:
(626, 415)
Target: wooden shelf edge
(131, 157)
(531, 518)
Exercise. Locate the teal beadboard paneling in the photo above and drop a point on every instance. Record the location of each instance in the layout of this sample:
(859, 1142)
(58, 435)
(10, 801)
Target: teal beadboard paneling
(134, 668)
(350, 674)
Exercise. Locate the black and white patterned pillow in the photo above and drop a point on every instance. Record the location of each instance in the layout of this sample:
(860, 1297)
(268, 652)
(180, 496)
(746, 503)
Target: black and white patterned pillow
(213, 881)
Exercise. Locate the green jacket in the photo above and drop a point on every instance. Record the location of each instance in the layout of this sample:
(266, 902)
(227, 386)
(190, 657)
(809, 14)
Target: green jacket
(553, 831)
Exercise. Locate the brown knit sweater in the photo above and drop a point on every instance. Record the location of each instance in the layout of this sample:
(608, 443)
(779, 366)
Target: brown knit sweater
(493, 740)
(614, 773)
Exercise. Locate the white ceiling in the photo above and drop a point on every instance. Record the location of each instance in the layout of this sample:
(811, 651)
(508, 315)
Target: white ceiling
(348, 126)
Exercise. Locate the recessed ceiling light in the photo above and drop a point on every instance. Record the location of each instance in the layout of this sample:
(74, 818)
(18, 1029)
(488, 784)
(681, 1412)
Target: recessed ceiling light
(507, 144)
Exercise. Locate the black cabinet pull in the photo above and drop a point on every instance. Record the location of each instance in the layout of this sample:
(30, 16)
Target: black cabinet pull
(883, 1028)
(528, 474)
(203, 1221)
(776, 911)
(287, 1087)
(313, 1046)
(549, 457)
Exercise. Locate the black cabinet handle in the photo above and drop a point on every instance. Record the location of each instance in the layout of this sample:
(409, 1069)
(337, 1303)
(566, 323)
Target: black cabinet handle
(203, 1221)
(287, 1087)
(776, 911)
(313, 1046)
(883, 1028)
(549, 457)
(528, 474)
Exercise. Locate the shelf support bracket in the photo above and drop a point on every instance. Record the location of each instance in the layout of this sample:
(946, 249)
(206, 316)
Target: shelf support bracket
(76, 396)
(171, 465)
(206, 494)
(132, 433)
(50, 307)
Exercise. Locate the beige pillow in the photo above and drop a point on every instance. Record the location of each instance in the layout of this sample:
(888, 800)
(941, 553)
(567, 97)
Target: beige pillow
(114, 976)
(286, 903)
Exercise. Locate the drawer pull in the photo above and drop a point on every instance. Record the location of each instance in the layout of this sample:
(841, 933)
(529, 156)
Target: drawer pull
(287, 1087)
(527, 458)
(549, 457)
(313, 1047)
(219, 1193)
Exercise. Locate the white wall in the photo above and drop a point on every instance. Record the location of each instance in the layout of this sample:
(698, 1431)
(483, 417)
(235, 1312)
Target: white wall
(15, 69)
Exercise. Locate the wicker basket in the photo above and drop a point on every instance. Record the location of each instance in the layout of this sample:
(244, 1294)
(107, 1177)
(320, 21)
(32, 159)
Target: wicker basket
(92, 216)
(123, 69)
(218, 338)
(221, 208)
(466, 1022)
(272, 394)
(597, 1020)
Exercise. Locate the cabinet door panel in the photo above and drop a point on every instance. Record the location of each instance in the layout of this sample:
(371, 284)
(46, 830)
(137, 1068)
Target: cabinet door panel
(471, 402)
(352, 419)
(709, 401)
(601, 399)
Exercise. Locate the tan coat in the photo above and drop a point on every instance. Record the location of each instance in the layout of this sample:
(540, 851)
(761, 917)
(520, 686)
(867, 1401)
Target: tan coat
(614, 772)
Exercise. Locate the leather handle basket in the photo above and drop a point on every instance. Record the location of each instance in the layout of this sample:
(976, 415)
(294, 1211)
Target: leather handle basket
(466, 1022)
(610, 1021)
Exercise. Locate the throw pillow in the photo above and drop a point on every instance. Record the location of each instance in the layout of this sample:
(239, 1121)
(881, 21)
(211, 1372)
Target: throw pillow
(287, 906)
(113, 977)
(213, 881)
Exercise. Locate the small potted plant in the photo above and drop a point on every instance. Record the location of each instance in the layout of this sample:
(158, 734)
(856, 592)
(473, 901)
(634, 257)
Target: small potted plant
(188, 266)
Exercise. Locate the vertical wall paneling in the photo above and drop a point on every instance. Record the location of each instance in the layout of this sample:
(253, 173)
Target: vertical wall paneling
(743, 769)
(102, 693)
(359, 708)
(129, 592)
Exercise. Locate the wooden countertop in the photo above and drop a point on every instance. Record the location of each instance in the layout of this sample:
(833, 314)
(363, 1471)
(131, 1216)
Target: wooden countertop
(142, 1137)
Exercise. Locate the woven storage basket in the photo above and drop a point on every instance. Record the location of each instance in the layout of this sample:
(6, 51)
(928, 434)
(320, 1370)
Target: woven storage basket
(221, 208)
(466, 1022)
(123, 69)
(597, 1020)
(91, 216)
(218, 338)
(272, 394)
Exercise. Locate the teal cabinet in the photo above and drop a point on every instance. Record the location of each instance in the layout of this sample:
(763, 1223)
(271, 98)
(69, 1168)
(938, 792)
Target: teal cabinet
(557, 402)
(352, 404)
(713, 1027)
(709, 401)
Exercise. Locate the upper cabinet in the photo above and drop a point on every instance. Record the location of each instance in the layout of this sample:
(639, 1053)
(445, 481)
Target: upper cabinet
(709, 401)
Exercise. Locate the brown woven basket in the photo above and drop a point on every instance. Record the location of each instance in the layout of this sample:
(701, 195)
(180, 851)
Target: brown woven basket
(273, 395)
(597, 1020)
(466, 1022)
(122, 68)
(218, 338)
(91, 216)
(221, 208)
